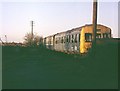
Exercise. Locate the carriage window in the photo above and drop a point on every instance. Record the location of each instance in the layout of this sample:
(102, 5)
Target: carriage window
(56, 40)
(68, 38)
(79, 37)
(109, 35)
(72, 38)
(105, 35)
(61, 39)
(88, 37)
(75, 38)
(50, 41)
(64, 38)
(98, 35)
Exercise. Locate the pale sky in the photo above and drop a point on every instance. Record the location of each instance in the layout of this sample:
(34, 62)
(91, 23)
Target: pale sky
(52, 17)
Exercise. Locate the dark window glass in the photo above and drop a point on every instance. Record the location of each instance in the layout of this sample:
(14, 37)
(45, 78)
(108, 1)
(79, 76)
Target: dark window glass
(98, 35)
(50, 41)
(61, 39)
(75, 38)
(56, 40)
(105, 35)
(67, 38)
(79, 37)
(109, 35)
(72, 38)
(88, 37)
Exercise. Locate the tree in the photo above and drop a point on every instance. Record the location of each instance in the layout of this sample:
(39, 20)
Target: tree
(38, 40)
(33, 40)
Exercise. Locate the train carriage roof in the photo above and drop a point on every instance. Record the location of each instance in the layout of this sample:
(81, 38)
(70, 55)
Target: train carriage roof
(76, 29)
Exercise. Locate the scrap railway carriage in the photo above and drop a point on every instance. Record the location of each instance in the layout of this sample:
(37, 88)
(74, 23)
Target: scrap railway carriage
(77, 40)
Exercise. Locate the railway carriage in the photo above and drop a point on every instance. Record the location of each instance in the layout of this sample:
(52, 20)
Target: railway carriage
(73, 43)
(59, 44)
(49, 42)
(77, 40)
(102, 32)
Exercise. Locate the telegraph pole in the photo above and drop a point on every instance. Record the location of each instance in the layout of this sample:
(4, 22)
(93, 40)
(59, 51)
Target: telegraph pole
(32, 32)
(32, 28)
(94, 24)
(6, 38)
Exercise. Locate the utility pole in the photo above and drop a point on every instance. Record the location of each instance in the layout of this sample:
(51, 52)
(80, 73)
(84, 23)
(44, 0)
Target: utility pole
(32, 28)
(32, 32)
(94, 24)
(6, 38)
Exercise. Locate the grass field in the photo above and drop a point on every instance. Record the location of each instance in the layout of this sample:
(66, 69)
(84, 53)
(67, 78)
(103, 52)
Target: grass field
(40, 68)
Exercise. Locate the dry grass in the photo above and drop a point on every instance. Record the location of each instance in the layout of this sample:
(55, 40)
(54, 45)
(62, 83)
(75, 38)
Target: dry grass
(40, 68)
